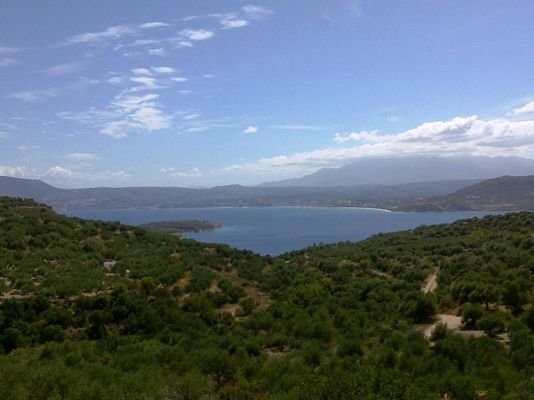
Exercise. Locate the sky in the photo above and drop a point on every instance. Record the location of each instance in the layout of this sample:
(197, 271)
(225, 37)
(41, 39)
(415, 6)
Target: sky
(214, 92)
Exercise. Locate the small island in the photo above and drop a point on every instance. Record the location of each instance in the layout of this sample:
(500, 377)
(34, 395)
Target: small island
(181, 227)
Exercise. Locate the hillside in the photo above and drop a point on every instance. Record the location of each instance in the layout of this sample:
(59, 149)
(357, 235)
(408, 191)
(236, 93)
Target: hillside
(26, 188)
(95, 310)
(394, 171)
(506, 193)
(380, 196)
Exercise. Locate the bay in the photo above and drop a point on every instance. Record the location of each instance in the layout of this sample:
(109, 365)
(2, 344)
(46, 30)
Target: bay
(275, 230)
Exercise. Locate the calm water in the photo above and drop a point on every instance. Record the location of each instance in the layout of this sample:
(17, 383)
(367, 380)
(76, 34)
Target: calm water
(275, 230)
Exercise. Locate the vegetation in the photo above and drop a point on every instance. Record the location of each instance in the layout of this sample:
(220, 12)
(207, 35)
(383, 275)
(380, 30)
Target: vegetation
(95, 310)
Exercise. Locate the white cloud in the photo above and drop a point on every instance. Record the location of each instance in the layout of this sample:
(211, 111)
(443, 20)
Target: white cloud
(141, 71)
(191, 116)
(179, 79)
(145, 81)
(250, 130)
(257, 12)
(197, 34)
(15, 172)
(233, 23)
(363, 136)
(295, 127)
(525, 109)
(34, 96)
(145, 42)
(157, 52)
(113, 32)
(61, 174)
(82, 156)
(58, 172)
(192, 173)
(136, 114)
(458, 136)
(152, 25)
(3, 134)
(115, 80)
(127, 114)
(163, 70)
(198, 129)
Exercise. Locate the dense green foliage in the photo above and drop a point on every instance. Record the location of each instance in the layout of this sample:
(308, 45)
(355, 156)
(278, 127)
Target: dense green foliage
(94, 310)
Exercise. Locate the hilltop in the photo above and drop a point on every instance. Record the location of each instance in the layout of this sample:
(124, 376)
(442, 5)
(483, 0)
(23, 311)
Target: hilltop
(506, 193)
(91, 309)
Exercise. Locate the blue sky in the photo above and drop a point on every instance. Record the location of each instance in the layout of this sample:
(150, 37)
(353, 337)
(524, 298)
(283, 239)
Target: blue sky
(202, 93)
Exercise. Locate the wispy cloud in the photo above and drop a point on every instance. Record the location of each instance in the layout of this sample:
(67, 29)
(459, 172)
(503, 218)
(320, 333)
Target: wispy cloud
(82, 156)
(157, 52)
(191, 116)
(136, 114)
(62, 69)
(152, 25)
(256, 12)
(146, 83)
(127, 114)
(34, 96)
(242, 17)
(233, 23)
(113, 32)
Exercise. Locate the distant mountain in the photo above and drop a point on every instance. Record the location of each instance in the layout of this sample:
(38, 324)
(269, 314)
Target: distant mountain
(25, 188)
(392, 171)
(381, 196)
(506, 193)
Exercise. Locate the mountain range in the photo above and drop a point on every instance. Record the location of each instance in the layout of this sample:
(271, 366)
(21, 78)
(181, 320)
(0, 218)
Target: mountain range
(399, 170)
(397, 184)
(381, 196)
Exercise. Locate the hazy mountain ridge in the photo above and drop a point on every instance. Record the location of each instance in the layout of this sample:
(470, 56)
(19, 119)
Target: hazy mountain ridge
(381, 196)
(391, 171)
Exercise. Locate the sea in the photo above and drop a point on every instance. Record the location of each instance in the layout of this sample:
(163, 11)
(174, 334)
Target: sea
(276, 230)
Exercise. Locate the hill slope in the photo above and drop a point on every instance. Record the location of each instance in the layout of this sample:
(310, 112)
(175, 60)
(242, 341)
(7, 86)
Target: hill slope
(26, 188)
(506, 193)
(392, 171)
(98, 310)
